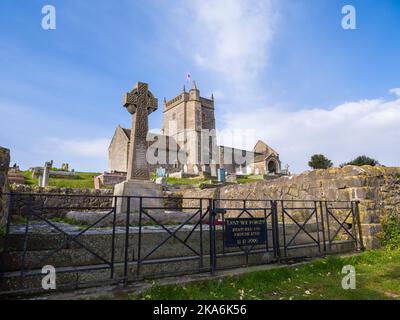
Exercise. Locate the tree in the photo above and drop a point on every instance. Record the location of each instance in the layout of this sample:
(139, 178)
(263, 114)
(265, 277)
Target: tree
(319, 161)
(362, 161)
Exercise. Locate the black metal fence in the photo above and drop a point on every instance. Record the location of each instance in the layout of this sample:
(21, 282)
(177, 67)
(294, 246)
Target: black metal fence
(124, 239)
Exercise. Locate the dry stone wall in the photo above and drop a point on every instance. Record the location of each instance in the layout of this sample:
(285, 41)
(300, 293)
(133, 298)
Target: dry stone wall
(67, 199)
(4, 166)
(377, 189)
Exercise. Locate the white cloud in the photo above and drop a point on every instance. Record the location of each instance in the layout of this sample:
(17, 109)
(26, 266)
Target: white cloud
(365, 127)
(395, 91)
(219, 95)
(228, 37)
(84, 148)
(85, 155)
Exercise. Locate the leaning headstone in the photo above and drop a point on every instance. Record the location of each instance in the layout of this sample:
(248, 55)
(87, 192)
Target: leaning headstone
(46, 174)
(140, 102)
(40, 180)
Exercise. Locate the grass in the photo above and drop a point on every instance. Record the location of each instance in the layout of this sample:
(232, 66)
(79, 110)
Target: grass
(70, 221)
(199, 180)
(249, 178)
(377, 277)
(82, 180)
(186, 181)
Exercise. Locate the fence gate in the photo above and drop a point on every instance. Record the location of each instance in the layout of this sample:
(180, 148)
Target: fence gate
(250, 232)
(245, 233)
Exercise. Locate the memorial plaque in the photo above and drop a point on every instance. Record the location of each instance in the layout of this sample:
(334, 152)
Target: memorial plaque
(245, 232)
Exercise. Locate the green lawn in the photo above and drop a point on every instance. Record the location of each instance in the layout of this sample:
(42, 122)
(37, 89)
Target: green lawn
(198, 181)
(249, 178)
(187, 181)
(377, 277)
(82, 180)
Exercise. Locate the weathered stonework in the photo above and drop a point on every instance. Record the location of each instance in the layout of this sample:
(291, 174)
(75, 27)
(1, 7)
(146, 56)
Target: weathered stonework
(189, 127)
(68, 198)
(4, 166)
(377, 189)
(140, 102)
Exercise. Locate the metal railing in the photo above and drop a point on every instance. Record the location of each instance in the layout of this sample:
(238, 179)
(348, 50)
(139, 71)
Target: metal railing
(140, 242)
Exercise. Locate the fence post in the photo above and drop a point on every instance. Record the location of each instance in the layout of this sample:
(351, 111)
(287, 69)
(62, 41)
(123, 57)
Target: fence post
(275, 229)
(115, 199)
(6, 235)
(127, 222)
(323, 226)
(357, 213)
(212, 235)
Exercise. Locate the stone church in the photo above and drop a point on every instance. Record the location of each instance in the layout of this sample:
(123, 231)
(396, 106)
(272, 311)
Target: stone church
(190, 143)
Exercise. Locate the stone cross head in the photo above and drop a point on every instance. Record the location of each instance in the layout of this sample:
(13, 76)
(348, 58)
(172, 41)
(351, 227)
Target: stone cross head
(140, 97)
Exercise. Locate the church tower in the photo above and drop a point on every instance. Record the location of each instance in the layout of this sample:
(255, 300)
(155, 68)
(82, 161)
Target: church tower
(190, 120)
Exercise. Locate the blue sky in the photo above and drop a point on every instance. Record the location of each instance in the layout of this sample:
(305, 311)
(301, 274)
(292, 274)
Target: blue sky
(285, 69)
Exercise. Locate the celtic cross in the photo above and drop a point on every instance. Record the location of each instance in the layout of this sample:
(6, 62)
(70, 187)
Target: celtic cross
(140, 102)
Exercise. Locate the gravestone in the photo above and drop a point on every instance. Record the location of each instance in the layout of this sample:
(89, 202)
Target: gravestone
(160, 172)
(161, 175)
(140, 102)
(44, 181)
(221, 175)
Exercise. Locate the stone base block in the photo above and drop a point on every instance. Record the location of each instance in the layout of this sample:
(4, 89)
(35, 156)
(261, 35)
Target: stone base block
(138, 188)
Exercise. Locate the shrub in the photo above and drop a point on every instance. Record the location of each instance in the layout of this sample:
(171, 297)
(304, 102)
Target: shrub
(390, 235)
(319, 161)
(362, 161)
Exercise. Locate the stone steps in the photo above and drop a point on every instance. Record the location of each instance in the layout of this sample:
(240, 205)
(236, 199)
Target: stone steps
(75, 255)
(76, 266)
(38, 239)
(41, 246)
(98, 274)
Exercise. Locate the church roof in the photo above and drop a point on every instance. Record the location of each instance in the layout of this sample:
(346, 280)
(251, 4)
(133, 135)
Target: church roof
(267, 148)
(127, 132)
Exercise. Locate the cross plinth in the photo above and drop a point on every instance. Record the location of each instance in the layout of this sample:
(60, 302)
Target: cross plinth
(140, 102)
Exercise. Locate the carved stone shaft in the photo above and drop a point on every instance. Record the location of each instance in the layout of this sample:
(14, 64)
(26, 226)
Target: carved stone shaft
(139, 102)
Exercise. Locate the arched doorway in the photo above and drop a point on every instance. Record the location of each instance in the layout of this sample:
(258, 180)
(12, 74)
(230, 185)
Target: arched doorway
(272, 167)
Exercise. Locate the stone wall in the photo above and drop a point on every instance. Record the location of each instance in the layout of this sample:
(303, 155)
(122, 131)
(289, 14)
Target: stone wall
(377, 189)
(67, 199)
(4, 166)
